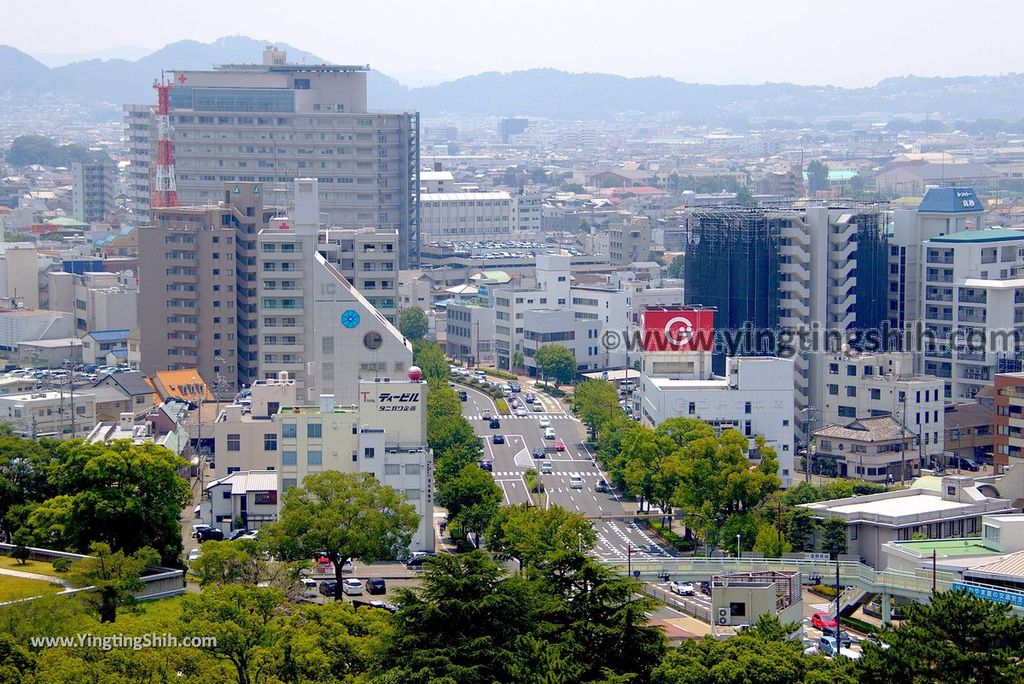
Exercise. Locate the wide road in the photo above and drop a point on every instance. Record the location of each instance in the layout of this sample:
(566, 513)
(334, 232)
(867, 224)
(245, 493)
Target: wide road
(616, 539)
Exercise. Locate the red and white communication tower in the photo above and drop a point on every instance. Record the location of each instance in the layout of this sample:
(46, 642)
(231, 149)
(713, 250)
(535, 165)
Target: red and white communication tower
(165, 194)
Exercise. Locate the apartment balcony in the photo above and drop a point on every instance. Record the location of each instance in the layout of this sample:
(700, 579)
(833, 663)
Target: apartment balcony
(840, 235)
(842, 303)
(798, 252)
(795, 288)
(795, 306)
(842, 253)
(797, 235)
(978, 357)
(841, 270)
(842, 321)
(792, 268)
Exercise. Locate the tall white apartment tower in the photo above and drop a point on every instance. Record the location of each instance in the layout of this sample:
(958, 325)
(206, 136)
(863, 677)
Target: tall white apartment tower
(313, 323)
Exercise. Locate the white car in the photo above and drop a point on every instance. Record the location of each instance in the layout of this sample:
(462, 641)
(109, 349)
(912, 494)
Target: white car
(194, 555)
(575, 482)
(681, 588)
(544, 423)
(520, 411)
(549, 433)
(352, 587)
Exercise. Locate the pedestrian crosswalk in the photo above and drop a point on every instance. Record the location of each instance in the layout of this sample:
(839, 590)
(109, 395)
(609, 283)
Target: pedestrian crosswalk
(517, 473)
(529, 416)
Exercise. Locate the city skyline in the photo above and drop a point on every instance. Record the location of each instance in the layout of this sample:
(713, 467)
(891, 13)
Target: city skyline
(694, 44)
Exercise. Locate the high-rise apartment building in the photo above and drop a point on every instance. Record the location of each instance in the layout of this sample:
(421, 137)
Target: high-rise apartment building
(197, 291)
(313, 323)
(272, 122)
(792, 269)
(92, 190)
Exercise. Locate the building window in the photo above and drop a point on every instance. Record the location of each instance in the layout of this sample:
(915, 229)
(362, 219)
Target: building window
(392, 469)
(876, 394)
(737, 609)
(368, 452)
(234, 442)
(851, 391)
(314, 458)
(314, 430)
(746, 407)
(270, 441)
(288, 458)
(847, 412)
(264, 498)
(412, 494)
(692, 408)
(288, 430)
(412, 469)
(233, 469)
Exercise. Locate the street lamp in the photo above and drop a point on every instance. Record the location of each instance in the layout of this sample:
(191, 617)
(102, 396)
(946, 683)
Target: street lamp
(738, 546)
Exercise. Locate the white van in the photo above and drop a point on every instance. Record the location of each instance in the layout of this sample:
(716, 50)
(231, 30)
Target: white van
(309, 588)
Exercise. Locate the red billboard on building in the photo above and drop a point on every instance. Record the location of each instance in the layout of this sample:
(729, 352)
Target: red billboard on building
(679, 329)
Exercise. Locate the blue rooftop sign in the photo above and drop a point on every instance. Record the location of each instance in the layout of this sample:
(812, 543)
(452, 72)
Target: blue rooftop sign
(950, 201)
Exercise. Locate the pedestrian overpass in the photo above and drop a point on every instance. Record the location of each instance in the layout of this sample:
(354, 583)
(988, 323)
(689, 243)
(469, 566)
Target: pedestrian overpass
(918, 586)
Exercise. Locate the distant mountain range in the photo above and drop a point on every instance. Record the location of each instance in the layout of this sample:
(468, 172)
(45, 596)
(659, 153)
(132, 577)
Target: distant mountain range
(102, 86)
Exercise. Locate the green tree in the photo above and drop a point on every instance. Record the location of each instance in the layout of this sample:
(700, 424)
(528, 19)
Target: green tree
(39, 149)
(596, 402)
(744, 198)
(241, 620)
(23, 539)
(955, 638)
(517, 359)
(240, 562)
(17, 663)
(817, 177)
(431, 359)
(556, 362)
(113, 578)
(472, 499)
(771, 542)
(677, 266)
(644, 449)
(342, 516)
(413, 323)
(463, 625)
(535, 536)
(833, 535)
(125, 495)
(49, 521)
(800, 529)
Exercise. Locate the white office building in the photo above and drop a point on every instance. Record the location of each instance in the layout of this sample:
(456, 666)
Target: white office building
(886, 385)
(466, 215)
(755, 397)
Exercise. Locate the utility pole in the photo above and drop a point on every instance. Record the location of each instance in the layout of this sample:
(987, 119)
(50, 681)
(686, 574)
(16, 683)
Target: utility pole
(839, 636)
(71, 382)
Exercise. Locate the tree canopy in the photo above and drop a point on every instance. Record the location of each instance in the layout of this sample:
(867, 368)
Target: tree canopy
(413, 323)
(596, 402)
(342, 516)
(431, 359)
(556, 362)
(39, 149)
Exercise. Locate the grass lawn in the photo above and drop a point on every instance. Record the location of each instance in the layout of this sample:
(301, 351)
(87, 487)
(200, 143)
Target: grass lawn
(38, 567)
(14, 588)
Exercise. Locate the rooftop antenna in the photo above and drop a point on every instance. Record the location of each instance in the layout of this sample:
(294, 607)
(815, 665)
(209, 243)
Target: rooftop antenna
(165, 193)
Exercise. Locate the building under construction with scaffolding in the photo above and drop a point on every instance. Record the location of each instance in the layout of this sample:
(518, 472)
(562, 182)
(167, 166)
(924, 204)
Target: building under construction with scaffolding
(777, 272)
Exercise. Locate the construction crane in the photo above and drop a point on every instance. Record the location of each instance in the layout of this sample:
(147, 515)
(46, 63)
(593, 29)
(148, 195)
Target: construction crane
(165, 194)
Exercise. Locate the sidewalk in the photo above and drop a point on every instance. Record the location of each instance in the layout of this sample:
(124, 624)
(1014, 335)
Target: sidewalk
(32, 576)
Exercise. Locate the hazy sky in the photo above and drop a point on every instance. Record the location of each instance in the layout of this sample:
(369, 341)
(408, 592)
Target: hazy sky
(740, 41)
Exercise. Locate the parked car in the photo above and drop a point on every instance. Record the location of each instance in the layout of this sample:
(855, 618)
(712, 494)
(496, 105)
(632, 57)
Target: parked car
(681, 588)
(827, 646)
(352, 587)
(194, 555)
(206, 533)
(538, 452)
(809, 646)
(485, 465)
(962, 463)
(495, 424)
(328, 587)
(416, 560)
(823, 621)
(349, 566)
(498, 438)
(575, 482)
(376, 586)
(307, 588)
(238, 534)
(384, 605)
(601, 486)
(845, 640)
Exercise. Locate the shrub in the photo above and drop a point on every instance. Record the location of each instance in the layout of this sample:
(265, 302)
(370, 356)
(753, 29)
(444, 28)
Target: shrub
(824, 590)
(62, 565)
(502, 406)
(677, 542)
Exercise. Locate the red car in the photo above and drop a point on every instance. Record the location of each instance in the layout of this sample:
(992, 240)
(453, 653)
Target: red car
(823, 621)
(560, 445)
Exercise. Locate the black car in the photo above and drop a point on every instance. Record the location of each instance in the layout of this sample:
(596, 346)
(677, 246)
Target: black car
(207, 533)
(705, 588)
(485, 465)
(844, 640)
(601, 486)
(538, 452)
(328, 587)
(376, 586)
(498, 438)
(495, 424)
(963, 464)
(237, 533)
(415, 562)
(463, 396)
